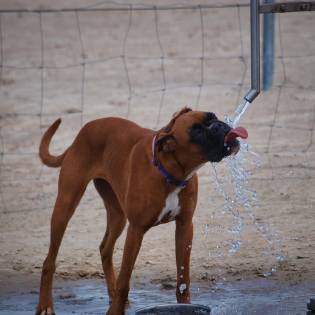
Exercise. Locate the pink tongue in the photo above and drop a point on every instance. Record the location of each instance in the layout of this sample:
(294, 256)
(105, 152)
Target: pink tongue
(234, 133)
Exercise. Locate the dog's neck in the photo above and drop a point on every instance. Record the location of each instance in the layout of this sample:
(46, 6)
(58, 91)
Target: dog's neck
(171, 166)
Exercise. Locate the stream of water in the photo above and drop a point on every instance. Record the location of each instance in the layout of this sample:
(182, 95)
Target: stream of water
(239, 112)
(240, 201)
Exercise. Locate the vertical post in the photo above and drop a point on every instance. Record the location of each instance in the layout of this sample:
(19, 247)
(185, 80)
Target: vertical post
(268, 48)
(255, 51)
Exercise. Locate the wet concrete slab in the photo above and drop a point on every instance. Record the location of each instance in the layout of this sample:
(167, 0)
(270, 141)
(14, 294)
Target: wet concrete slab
(260, 296)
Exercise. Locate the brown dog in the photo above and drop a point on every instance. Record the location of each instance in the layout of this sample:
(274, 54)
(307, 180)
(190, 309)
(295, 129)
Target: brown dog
(143, 176)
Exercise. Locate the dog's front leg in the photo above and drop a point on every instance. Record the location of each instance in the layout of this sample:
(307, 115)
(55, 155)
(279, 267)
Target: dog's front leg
(131, 250)
(184, 235)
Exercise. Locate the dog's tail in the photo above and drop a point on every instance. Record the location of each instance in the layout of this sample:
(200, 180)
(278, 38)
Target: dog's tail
(45, 156)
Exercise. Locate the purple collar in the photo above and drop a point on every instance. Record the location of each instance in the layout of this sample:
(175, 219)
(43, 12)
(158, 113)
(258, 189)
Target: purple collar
(170, 179)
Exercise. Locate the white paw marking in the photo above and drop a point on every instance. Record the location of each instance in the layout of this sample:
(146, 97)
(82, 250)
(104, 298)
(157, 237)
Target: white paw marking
(182, 288)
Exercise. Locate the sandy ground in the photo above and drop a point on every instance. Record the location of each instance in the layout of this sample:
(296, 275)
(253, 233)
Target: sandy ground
(280, 123)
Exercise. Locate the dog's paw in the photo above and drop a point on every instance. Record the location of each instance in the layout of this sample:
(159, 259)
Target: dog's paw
(45, 311)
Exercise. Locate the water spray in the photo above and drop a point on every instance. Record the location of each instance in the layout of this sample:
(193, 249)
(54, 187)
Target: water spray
(243, 196)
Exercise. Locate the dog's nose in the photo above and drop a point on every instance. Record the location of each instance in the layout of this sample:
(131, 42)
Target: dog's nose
(218, 127)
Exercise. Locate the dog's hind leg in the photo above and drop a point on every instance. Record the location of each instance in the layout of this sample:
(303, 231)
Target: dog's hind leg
(116, 222)
(70, 191)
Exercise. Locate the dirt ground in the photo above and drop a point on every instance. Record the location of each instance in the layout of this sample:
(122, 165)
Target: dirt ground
(124, 75)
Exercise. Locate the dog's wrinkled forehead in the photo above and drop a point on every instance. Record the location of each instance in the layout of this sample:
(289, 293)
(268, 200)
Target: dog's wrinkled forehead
(175, 119)
(186, 118)
(205, 118)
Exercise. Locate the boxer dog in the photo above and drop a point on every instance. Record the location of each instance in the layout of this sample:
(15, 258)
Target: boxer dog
(145, 177)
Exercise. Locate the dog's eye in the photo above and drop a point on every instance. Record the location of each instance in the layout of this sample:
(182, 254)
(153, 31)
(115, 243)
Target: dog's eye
(196, 131)
(209, 118)
(198, 128)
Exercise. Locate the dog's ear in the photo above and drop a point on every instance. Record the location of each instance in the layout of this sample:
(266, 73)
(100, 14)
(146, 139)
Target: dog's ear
(166, 143)
(169, 126)
(181, 112)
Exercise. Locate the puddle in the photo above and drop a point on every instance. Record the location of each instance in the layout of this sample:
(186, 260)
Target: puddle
(260, 296)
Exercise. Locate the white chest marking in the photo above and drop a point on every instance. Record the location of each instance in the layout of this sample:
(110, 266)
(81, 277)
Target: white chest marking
(171, 208)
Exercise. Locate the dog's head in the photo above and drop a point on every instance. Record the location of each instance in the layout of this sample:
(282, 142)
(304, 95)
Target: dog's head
(199, 136)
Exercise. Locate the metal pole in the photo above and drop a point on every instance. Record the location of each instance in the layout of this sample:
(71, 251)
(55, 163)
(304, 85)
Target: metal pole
(255, 51)
(268, 48)
(283, 7)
